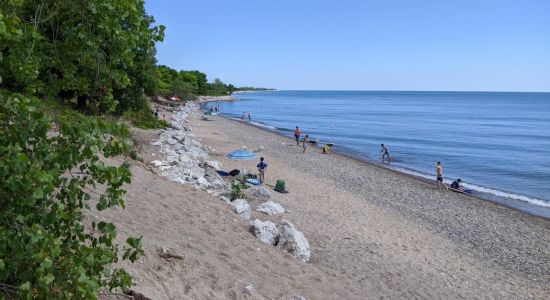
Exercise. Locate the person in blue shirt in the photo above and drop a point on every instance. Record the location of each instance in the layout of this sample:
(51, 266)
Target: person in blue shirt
(261, 168)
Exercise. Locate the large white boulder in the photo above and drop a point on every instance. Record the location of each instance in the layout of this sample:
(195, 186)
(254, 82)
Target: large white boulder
(293, 241)
(271, 208)
(242, 208)
(261, 192)
(266, 232)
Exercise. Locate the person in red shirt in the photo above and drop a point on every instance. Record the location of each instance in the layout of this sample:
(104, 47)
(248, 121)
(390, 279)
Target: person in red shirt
(297, 134)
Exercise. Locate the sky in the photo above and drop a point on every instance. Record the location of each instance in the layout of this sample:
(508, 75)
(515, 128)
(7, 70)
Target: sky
(459, 45)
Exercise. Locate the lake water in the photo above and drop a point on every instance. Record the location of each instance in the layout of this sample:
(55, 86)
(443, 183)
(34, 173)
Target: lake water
(497, 143)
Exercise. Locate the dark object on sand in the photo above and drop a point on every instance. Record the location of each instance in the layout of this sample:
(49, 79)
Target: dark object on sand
(280, 186)
(135, 295)
(223, 173)
(234, 172)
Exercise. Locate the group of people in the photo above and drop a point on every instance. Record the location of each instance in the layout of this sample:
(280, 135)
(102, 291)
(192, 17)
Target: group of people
(215, 109)
(304, 140)
(455, 185)
(262, 166)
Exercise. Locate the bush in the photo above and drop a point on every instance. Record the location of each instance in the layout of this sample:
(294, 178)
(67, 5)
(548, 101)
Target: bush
(46, 250)
(145, 119)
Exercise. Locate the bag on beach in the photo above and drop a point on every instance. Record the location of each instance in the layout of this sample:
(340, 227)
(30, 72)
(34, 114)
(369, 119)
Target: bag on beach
(280, 186)
(234, 172)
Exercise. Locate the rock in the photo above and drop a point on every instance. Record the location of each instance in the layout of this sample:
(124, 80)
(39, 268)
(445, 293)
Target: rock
(225, 199)
(271, 208)
(214, 164)
(261, 192)
(135, 295)
(203, 182)
(165, 252)
(248, 288)
(298, 297)
(157, 163)
(293, 241)
(266, 231)
(241, 207)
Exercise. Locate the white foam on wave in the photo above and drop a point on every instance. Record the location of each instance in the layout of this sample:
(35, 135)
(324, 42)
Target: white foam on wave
(482, 189)
(504, 194)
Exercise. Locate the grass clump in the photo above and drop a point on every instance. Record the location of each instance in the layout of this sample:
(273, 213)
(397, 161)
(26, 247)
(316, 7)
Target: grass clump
(144, 119)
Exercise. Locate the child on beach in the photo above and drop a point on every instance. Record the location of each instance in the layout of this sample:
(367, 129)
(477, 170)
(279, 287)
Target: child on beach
(385, 152)
(242, 117)
(261, 168)
(304, 142)
(249, 117)
(439, 178)
(297, 134)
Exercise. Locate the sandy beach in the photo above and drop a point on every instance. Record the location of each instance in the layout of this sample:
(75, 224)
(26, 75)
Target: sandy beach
(374, 233)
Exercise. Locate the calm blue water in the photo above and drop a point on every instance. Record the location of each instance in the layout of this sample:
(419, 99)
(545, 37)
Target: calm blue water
(498, 143)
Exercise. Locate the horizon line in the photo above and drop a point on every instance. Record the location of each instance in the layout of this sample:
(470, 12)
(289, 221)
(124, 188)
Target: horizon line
(354, 90)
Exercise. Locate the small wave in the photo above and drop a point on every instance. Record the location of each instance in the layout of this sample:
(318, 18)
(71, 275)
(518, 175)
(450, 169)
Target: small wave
(481, 189)
(263, 125)
(284, 129)
(504, 194)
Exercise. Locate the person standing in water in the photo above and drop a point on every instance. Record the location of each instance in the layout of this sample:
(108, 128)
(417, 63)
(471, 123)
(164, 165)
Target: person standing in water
(385, 152)
(297, 134)
(304, 142)
(439, 178)
(249, 117)
(261, 168)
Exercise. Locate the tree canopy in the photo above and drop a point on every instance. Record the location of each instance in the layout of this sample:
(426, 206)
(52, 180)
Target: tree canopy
(101, 53)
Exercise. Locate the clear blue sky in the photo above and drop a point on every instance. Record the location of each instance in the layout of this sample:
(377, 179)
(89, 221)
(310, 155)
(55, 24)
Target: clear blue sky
(477, 45)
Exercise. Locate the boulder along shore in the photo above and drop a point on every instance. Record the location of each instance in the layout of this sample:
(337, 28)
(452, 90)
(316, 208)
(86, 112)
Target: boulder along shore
(370, 232)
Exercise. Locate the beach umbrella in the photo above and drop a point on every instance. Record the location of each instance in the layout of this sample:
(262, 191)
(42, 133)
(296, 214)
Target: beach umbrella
(241, 154)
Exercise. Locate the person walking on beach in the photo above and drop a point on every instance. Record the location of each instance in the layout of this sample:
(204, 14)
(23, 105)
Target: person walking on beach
(297, 134)
(304, 142)
(261, 168)
(249, 117)
(242, 117)
(385, 152)
(439, 179)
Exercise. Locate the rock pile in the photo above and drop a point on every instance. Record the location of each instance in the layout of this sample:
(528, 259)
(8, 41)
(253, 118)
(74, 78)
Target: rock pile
(186, 160)
(284, 235)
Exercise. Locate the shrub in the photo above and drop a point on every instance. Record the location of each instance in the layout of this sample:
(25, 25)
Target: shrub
(144, 119)
(46, 249)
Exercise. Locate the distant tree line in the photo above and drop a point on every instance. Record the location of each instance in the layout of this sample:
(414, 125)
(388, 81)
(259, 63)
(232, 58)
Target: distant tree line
(248, 88)
(187, 84)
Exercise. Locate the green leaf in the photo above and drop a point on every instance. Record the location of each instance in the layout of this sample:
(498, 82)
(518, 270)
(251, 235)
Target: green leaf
(38, 193)
(25, 286)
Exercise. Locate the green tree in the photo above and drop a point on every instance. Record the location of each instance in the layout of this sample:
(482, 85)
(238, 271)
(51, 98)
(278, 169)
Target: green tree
(85, 50)
(46, 249)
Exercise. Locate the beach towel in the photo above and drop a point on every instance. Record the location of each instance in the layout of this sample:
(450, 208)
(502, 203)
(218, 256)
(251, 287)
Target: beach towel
(223, 173)
(253, 181)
